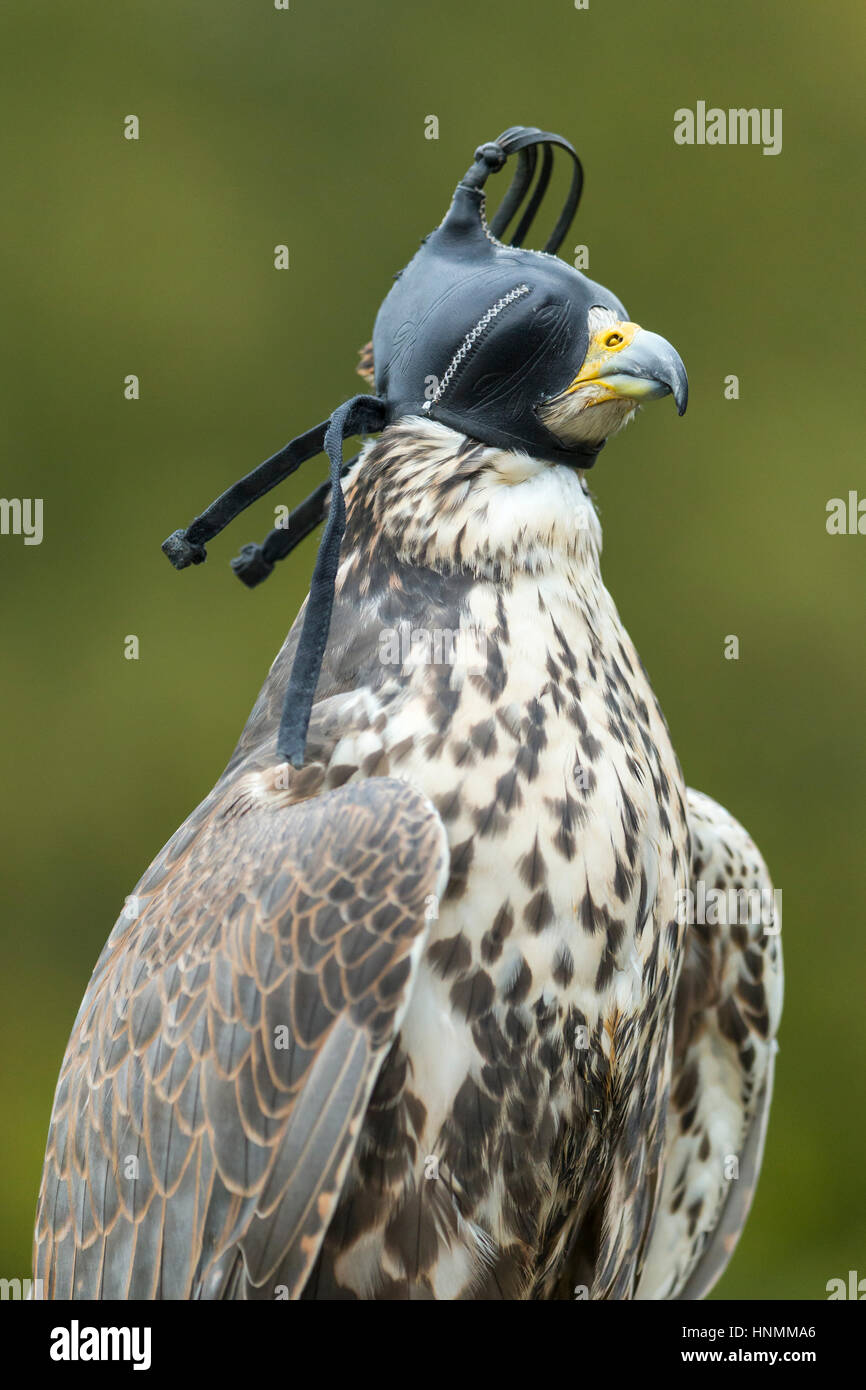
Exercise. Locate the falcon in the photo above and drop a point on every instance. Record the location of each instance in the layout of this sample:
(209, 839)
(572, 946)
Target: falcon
(416, 1004)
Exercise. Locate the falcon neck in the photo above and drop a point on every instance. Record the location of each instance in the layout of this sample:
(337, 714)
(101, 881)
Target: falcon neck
(436, 498)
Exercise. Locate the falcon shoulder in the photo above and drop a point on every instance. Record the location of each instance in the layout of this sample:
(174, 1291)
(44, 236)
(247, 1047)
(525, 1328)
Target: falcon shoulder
(728, 1006)
(213, 1089)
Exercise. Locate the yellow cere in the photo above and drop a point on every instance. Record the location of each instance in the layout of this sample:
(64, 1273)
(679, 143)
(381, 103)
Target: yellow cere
(601, 352)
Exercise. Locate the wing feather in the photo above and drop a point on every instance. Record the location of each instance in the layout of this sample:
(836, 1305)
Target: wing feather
(728, 1006)
(219, 1069)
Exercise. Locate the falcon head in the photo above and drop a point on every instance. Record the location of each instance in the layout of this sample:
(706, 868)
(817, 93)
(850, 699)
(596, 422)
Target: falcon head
(509, 346)
(624, 366)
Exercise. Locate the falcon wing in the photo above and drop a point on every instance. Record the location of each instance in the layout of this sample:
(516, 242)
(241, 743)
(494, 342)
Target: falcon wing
(728, 1005)
(219, 1069)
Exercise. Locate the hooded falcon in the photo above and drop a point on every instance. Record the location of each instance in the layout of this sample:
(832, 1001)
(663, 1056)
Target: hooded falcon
(416, 1004)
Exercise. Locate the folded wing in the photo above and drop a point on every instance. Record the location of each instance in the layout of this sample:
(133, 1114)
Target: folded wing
(219, 1069)
(728, 1007)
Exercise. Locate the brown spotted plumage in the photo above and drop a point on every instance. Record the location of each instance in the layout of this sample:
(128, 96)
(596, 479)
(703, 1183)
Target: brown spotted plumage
(365, 366)
(424, 1018)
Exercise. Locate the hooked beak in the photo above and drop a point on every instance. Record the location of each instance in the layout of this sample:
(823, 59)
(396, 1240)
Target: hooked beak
(626, 362)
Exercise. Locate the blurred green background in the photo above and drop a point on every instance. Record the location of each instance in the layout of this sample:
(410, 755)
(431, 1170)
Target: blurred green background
(306, 127)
